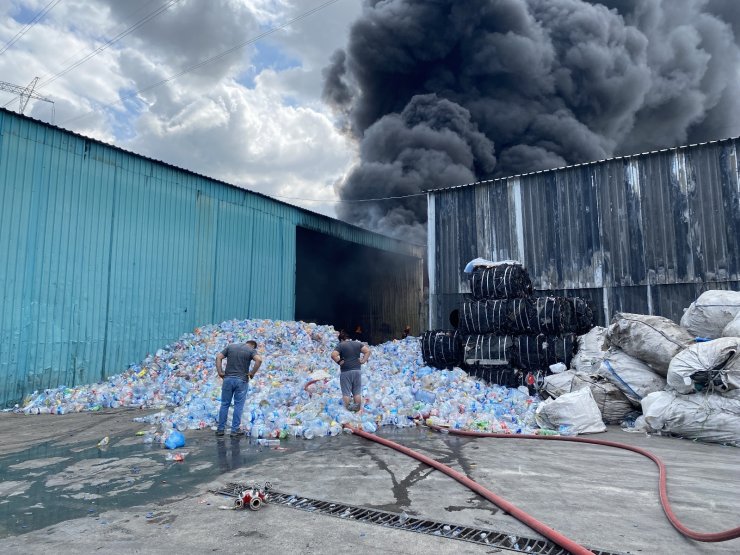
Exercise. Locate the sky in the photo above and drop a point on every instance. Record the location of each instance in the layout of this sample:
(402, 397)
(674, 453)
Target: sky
(253, 118)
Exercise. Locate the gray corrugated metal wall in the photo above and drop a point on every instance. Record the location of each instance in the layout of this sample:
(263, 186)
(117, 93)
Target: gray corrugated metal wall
(645, 233)
(106, 256)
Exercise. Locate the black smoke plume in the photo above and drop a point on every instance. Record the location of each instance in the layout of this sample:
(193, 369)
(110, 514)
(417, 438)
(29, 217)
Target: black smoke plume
(446, 92)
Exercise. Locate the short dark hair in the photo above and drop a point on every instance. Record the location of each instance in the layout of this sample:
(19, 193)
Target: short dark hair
(253, 343)
(343, 335)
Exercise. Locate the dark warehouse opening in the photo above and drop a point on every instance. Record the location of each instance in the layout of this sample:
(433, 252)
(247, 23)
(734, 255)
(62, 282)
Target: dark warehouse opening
(348, 285)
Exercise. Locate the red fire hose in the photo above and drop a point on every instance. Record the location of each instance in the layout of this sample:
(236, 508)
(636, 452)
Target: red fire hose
(725, 535)
(530, 521)
(520, 515)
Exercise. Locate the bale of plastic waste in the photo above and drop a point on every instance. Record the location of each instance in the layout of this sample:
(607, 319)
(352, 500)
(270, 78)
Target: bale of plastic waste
(499, 317)
(632, 376)
(712, 366)
(577, 411)
(583, 313)
(505, 376)
(652, 339)
(441, 348)
(559, 384)
(488, 350)
(733, 328)
(711, 312)
(705, 417)
(548, 315)
(503, 281)
(612, 402)
(539, 352)
(591, 350)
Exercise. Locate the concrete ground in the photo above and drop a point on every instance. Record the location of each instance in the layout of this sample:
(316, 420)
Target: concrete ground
(60, 492)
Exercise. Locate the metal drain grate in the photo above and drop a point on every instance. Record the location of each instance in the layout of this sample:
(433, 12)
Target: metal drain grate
(481, 536)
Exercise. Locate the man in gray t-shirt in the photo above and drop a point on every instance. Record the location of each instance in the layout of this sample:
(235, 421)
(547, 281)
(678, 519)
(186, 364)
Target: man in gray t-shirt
(350, 356)
(236, 382)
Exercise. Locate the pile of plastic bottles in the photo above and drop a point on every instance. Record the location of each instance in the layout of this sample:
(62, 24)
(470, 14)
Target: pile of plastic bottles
(296, 392)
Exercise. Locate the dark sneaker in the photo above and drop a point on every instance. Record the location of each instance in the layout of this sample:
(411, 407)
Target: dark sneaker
(234, 435)
(353, 407)
(219, 433)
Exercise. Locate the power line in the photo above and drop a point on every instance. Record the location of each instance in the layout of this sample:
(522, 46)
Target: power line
(27, 27)
(422, 193)
(105, 46)
(208, 60)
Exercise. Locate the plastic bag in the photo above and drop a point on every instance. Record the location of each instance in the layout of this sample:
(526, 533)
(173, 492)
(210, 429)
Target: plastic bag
(706, 417)
(175, 440)
(612, 402)
(635, 378)
(711, 312)
(733, 328)
(652, 339)
(591, 350)
(712, 366)
(577, 410)
(559, 384)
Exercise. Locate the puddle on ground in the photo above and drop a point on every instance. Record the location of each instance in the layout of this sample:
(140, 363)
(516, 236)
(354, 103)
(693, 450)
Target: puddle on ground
(50, 483)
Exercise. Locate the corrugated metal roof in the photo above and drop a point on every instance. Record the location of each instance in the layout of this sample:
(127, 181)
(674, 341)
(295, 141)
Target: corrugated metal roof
(192, 172)
(589, 163)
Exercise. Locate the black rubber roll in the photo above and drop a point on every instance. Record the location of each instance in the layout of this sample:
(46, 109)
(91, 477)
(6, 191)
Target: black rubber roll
(500, 317)
(488, 350)
(505, 376)
(538, 352)
(441, 348)
(548, 315)
(506, 281)
(583, 313)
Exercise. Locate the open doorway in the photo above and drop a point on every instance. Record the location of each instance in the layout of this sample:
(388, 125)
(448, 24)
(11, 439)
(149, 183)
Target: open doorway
(348, 285)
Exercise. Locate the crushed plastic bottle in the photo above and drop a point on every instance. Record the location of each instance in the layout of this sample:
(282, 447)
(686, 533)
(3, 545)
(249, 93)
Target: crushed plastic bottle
(398, 390)
(103, 443)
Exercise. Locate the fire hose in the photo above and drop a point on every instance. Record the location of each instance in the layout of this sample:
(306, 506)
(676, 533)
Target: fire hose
(525, 518)
(534, 524)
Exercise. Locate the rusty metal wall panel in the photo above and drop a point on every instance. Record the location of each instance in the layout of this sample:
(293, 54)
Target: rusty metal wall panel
(106, 256)
(645, 233)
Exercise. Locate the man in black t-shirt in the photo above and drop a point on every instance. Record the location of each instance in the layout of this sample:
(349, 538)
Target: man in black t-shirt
(236, 382)
(350, 355)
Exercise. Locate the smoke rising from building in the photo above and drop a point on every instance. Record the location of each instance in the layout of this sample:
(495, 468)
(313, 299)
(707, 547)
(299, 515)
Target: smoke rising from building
(446, 92)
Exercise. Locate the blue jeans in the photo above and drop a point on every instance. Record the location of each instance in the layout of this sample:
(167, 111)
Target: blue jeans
(235, 388)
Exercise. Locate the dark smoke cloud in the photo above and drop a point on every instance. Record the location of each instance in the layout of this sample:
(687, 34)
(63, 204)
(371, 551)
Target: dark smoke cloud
(432, 88)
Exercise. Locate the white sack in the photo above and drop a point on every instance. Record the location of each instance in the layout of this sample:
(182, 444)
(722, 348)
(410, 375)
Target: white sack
(559, 384)
(706, 417)
(613, 404)
(635, 378)
(711, 366)
(733, 328)
(578, 410)
(653, 339)
(591, 350)
(711, 312)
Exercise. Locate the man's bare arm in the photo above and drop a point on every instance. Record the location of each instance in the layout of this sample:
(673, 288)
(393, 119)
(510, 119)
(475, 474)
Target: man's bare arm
(257, 363)
(219, 369)
(366, 352)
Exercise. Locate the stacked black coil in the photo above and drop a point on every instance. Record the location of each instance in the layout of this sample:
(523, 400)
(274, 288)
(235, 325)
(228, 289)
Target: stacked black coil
(441, 348)
(510, 337)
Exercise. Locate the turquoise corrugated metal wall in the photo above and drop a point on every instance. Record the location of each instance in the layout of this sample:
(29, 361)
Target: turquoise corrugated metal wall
(106, 256)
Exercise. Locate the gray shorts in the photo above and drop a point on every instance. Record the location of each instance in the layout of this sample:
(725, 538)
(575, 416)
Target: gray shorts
(351, 382)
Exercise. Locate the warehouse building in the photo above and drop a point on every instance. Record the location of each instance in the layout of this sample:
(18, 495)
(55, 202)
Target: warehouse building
(106, 256)
(646, 233)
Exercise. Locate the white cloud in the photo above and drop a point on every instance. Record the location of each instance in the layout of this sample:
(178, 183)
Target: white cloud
(269, 132)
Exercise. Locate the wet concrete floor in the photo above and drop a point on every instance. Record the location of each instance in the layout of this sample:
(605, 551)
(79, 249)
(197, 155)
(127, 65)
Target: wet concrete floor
(60, 491)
